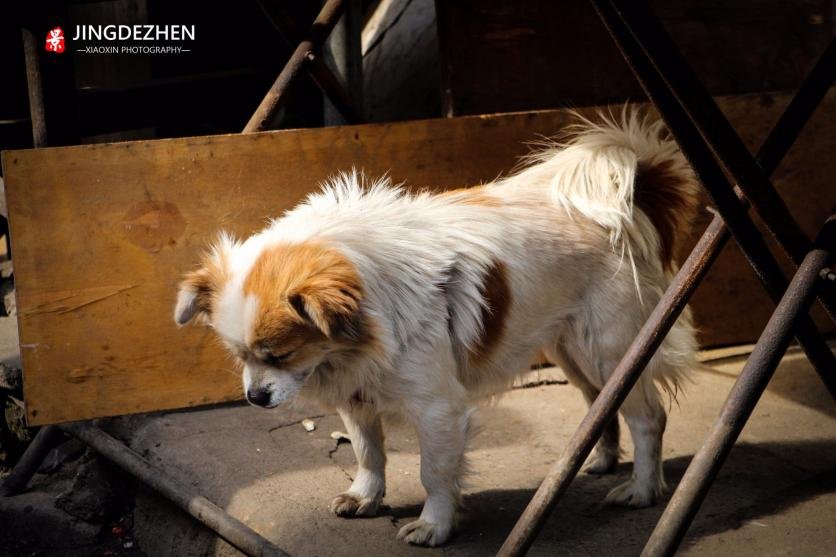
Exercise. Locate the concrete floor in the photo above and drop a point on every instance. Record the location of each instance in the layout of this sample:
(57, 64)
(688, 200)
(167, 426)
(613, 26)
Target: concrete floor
(776, 495)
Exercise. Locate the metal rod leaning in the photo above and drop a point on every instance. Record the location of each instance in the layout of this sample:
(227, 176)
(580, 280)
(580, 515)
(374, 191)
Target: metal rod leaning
(674, 300)
(812, 90)
(35, 88)
(44, 440)
(316, 67)
(742, 398)
(734, 213)
(305, 53)
(227, 527)
(718, 133)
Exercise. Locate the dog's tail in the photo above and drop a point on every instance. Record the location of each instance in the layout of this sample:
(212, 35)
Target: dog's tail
(608, 170)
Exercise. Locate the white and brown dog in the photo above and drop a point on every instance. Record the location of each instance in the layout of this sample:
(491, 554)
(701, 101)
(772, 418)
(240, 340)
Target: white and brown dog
(376, 301)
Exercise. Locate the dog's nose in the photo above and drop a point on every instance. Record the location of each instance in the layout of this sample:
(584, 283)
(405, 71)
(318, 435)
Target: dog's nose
(259, 397)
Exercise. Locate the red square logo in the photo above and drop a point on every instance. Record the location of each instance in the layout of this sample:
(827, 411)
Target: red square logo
(55, 41)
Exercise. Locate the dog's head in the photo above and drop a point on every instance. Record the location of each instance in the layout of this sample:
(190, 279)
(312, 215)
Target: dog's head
(282, 310)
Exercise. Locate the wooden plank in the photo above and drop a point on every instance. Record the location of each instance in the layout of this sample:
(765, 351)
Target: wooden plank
(102, 234)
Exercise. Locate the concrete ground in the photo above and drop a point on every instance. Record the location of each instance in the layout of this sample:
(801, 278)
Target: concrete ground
(776, 495)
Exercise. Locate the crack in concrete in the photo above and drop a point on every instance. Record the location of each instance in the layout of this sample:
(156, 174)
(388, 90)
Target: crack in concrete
(540, 383)
(331, 453)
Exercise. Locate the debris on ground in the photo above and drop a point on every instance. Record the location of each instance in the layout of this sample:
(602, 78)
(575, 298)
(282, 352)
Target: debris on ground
(77, 504)
(308, 424)
(89, 496)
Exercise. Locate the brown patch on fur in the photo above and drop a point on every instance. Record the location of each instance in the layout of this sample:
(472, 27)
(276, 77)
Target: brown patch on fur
(306, 292)
(476, 195)
(667, 200)
(497, 294)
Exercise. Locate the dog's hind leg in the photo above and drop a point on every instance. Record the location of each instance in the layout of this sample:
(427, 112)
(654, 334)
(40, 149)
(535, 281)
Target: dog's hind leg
(369, 485)
(604, 456)
(645, 416)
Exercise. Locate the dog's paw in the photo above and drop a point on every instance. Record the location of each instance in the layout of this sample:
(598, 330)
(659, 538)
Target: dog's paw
(601, 463)
(635, 494)
(350, 504)
(425, 533)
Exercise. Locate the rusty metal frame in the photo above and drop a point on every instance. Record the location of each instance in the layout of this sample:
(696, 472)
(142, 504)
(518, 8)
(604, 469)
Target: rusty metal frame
(718, 134)
(306, 57)
(733, 217)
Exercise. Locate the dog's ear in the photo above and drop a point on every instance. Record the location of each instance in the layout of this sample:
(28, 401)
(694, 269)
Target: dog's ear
(199, 288)
(331, 304)
(194, 297)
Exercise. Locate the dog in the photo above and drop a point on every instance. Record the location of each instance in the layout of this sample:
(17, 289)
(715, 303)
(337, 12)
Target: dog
(375, 301)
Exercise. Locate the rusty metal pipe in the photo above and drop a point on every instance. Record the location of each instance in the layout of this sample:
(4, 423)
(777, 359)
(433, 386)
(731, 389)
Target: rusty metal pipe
(46, 438)
(35, 88)
(742, 399)
(801, 107)
(718, 134)
(206, 512)
(316, 67)
(301, 57)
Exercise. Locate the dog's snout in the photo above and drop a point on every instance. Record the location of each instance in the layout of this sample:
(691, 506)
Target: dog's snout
(259, 397)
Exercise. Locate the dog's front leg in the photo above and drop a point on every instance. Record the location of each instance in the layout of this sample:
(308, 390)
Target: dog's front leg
(369, 486)
(442, 432)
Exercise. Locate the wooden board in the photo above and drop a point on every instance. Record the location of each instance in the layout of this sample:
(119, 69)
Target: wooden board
(102, 233)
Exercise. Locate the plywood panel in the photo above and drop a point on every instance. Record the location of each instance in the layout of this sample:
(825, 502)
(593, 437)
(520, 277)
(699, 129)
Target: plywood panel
(102, 233)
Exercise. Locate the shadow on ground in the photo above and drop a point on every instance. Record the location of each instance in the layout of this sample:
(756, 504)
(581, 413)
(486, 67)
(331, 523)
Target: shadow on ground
(755, 483)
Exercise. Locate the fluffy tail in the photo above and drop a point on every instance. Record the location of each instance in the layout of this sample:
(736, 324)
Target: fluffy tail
(608, 169)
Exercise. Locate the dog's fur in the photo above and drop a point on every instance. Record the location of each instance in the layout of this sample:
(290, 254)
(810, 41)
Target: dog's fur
(376, 301)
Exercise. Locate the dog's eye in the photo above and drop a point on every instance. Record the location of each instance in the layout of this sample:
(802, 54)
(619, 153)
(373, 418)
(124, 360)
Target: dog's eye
(275, 359)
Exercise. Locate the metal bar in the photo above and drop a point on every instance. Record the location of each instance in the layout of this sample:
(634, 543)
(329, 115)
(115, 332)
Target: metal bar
(717, 132)
(35, 87)
(331, 86)
(304, 55)
(812, 91)
(46, 438)
(657, 326)
(212, 516)
(742, 399)
(718, 187)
